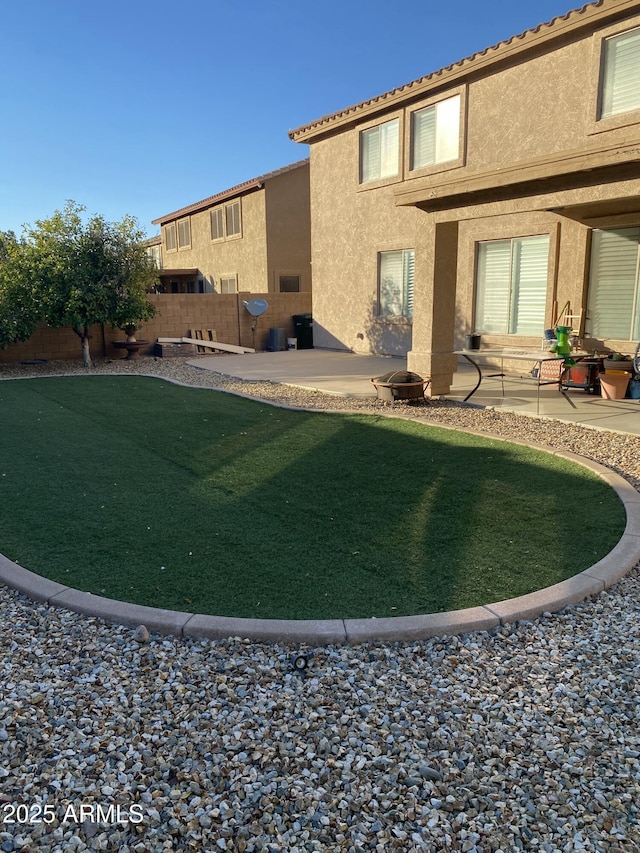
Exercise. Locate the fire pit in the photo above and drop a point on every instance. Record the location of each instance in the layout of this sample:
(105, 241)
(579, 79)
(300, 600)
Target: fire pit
(400, 385)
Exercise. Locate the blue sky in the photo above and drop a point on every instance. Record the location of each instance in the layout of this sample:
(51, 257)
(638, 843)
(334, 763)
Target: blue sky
(144, 106)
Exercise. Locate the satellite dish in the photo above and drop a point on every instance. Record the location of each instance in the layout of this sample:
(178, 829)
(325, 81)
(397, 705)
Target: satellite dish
(256, 307)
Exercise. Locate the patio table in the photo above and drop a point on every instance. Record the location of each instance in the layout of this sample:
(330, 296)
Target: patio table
(535, 357)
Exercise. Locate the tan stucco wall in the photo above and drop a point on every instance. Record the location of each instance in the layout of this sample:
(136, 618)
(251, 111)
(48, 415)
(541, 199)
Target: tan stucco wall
(510, 112)
(245, 256)
(349, 229)
(288, 222)
(539, 106)
(543, 105)
(276, 238)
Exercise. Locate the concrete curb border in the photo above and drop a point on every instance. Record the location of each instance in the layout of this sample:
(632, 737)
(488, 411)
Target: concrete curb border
(592, 581)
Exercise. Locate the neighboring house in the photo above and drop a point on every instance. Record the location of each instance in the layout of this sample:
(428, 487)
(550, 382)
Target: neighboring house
(253, 237)
(483, 196)
(153, 248)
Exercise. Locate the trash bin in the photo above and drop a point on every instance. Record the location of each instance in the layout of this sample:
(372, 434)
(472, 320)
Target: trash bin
(303, 329)
(276, 340)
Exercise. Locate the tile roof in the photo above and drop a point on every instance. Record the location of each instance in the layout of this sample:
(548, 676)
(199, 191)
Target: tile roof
(556, 27)
(239, 189)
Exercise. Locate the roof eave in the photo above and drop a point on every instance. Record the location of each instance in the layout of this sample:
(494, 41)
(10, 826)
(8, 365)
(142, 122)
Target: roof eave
(240, 189)
(558, 28)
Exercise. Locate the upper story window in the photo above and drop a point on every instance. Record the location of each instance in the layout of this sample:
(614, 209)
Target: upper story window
(511, 286)
(233, 220)
(379, 151)
(184, 233)
(620, 74)
(226, 221)
(170, 239)
(155, 256)
(217, 223)
(435, 133)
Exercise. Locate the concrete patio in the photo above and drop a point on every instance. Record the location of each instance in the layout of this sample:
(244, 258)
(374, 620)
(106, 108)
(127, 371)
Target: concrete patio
(349, 374)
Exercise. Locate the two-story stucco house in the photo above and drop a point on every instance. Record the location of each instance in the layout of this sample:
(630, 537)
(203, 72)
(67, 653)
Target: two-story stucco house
(253, 237)
(481, 197)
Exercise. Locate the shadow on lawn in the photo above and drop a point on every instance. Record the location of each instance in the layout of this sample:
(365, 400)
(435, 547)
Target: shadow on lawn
(436, 525)
(202, 501)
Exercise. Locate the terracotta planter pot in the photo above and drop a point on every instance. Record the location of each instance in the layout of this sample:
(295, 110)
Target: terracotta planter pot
(578, 374)
(614, 384)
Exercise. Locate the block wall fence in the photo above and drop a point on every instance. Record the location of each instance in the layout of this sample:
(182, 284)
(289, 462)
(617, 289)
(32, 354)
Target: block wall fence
(177, 314)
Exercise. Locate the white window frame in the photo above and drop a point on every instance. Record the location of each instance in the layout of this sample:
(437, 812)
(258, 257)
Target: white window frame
(510, 299)
(379, 152)
(452, 107)
(613, 295)
(154, 254)
(228, 283)
(600, 81)
(395, 283)
(439, 141)
(620, 74)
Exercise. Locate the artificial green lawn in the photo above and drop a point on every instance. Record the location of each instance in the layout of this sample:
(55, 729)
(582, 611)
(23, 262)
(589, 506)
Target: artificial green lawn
(148, 492)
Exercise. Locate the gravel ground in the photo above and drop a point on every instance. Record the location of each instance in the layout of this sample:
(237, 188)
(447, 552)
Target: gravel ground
(523, 738)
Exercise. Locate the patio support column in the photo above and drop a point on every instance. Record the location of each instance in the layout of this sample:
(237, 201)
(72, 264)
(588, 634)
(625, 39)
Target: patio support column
(434, 303)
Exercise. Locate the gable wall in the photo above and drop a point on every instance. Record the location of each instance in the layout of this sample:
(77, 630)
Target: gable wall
(288, 224)
(538, 108)
(245, 256)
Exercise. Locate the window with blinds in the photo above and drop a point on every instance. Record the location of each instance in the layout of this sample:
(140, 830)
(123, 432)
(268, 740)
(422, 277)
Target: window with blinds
(229, 284)
(217, 223)
(170, 240)
(226, 221)
(184, 233)
(379, 151)
(155, 256)
(435, 133)
(395, 283)
(621, 74)
(511, 286)
(612, 302)
(233, 219)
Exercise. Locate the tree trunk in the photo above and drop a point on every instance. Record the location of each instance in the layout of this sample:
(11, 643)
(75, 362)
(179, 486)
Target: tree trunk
(86, 355)
(84, 336)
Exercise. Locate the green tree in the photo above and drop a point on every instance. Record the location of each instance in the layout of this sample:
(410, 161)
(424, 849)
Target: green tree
(20, 310)
(81, 274)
